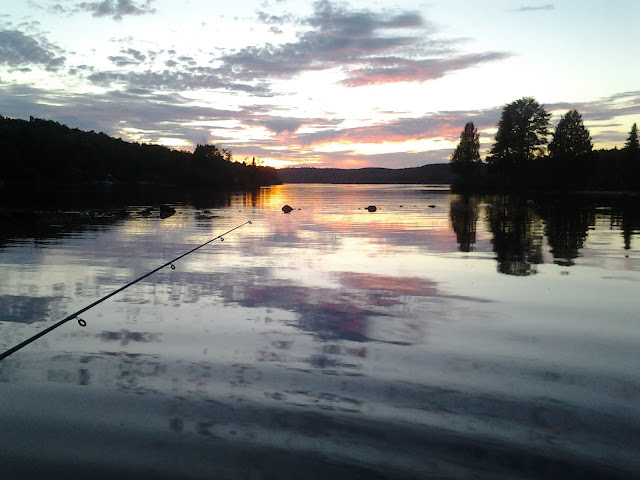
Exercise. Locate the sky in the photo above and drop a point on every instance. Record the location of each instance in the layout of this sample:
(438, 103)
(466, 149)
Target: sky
(327, 83)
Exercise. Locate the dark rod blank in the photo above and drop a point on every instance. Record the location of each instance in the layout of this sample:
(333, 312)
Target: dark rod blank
(82, 310)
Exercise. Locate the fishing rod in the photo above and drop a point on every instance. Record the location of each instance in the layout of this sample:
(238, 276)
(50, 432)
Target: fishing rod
(82, 323)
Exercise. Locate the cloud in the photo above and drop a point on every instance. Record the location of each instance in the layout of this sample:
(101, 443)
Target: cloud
(130, 57)
(280, 124)
(19, 50)
(369, 47)
(388, 70)
(534, 8)
(440, 125)
(274, 20)
(156, 114)
(192, 79)
(601, 115)
(149, 116)
(116, 9)
(138, 55)
(604, 109)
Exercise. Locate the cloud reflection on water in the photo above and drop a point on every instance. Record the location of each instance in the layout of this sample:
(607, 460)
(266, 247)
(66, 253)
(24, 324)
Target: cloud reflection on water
(346, 341)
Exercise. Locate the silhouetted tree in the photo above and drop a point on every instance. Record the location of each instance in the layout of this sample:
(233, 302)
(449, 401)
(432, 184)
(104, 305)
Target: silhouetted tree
(463, 212)
(571, 140)
(632, 142)
(521, 136)
(466, 157)
(212, 152)
(571, 149)
(632, 160)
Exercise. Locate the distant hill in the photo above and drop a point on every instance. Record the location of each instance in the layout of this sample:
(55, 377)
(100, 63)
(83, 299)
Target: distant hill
(439, 173)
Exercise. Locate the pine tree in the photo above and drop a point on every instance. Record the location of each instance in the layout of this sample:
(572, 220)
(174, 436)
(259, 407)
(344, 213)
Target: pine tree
(571, 140)
(466, 157)
(632, 142)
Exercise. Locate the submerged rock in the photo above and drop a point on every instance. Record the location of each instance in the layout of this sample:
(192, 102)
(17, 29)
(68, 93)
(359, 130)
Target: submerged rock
(287, 209)
(372, 208)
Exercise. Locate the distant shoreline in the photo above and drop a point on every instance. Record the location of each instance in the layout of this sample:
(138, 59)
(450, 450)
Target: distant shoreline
(433, 174)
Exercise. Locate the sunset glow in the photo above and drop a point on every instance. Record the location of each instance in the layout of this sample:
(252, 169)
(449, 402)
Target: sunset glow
(325, 83)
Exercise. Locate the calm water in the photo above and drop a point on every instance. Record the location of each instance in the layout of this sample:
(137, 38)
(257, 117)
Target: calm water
(439, 337)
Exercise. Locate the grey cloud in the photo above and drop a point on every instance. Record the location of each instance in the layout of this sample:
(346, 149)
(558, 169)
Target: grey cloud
(121, 61)
(533, 8)
(130, 57)
(160, 115)
(137, 54)
(18, 50)
(447, 125)
(57, 8)
(330, 17)
(370, 47)
(605, 109)
(188, 60)
(196, 78)
(610, 136)
(265, 17)
(116, 9)
(386, 70)
(263, 116)
(280, 124)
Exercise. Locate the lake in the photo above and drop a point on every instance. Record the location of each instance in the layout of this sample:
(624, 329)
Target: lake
(440, 336)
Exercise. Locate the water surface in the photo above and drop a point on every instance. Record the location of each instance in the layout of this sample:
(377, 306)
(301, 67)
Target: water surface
(438, 337)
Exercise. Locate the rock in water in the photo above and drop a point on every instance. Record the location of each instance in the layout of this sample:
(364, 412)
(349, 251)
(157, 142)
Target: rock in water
(372, 208)
(166, 211)
(287, 209)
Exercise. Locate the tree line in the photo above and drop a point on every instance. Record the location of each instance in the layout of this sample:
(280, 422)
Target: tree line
(44, 152)
(523, 157)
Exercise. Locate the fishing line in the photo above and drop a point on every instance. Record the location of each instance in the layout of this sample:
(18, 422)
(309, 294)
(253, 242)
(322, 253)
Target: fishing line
(83, 323)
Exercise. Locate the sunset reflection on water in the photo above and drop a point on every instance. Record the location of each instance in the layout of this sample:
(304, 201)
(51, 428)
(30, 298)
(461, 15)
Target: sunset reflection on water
(337, 340)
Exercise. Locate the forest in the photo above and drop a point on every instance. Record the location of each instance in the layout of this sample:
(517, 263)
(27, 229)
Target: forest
(45, 153)
(526, 155)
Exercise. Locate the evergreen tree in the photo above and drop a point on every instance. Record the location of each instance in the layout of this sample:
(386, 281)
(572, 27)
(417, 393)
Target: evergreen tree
(632, 142)
(632, 160)
(571, 140)
(466, 157)
(522, 134)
